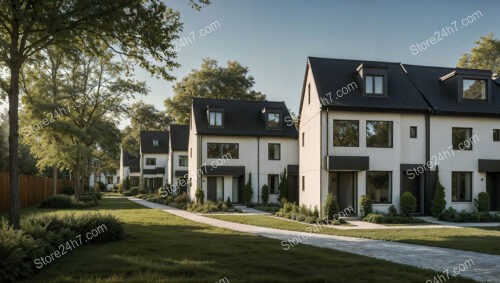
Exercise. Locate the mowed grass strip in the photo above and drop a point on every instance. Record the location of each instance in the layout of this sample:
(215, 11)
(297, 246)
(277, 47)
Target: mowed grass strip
(160, 247)
(482, 240)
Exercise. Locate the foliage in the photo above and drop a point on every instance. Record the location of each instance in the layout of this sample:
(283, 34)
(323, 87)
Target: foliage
(393, 210)
(452, 215)
(182, 198)
(265, 194)
(67, 190)
(331, 207)
(299, 213)
(268, 207)
(439, 202)
(199, 195)
(408, 204)
(482, 202)
(211, 81)
(484, 56)
(283, 186)
(210, 206)
(57, 201)
(390, 219)
(132, 192)
(366, 205)
(99, 187)
(228, 202)
(248, 190)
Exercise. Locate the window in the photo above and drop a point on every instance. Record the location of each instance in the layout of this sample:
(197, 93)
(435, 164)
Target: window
(215, 118)
(309, 93)
(303, 139)
(496, 134)
(183, 160)
(474, 89)
(460, 138)
(379, 186)
(461, 184)
(303, 183)
(151, 161)
(345, 133)
(109, 180)
(273, 182)
(274, 120)
(374, 85)
(378, 133)
(217, 150)
(413, 132)
(155, 142)
(274, 151)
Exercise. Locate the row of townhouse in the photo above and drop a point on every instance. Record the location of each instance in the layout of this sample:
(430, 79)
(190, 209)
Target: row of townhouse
(366, 128)
(379, 129)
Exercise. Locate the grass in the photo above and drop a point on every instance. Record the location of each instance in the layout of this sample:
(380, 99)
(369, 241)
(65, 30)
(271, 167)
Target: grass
(482, 240)
(160, 247)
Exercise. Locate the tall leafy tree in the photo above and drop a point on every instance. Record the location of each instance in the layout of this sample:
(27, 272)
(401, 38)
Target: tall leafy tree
(139, 30)
(211, 81)
(485, 55)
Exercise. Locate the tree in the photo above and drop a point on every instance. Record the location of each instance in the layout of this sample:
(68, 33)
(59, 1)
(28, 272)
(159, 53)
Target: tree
(143, 117)
(211, 81)
(71, 109)
(283, 186)
(141, 31)
(331, 207)
(248, 190)
(265, 194)
(485, 55)
(439, 202)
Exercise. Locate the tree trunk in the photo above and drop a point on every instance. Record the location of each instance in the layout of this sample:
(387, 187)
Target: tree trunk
(14, 208)
(54, 177)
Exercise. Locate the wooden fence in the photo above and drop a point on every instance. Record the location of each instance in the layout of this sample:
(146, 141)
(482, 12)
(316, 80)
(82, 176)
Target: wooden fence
(32, 189)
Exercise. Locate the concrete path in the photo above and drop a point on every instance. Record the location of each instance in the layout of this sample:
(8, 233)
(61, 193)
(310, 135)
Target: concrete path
(485, 268)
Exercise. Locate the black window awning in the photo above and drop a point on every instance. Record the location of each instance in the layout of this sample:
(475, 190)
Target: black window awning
(351, 163)
(222, 170)
(292, 169)
(180, 173)
(488, 165)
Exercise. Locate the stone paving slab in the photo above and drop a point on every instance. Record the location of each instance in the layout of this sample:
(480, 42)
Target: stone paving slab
(486, 267)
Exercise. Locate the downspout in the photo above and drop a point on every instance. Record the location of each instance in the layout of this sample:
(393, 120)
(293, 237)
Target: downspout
(428, 173)
(258, 169)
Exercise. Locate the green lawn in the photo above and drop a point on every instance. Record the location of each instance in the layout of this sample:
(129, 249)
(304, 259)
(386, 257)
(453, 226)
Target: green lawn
(160, 247)
(483, 240)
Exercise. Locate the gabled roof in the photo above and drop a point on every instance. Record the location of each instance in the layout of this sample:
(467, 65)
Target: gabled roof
(242, 118)
(147, 138)
(179, 137)
(130, 161)
(444, 100)
(331, 75)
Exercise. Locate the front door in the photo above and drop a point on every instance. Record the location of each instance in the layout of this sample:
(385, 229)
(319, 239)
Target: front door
(412, 185)
(236, 190)
(343, 186)
(212, 188)
(493, 189)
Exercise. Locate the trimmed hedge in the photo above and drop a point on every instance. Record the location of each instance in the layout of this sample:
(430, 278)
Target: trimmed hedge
(380, 218)
(452, 215)
(57, 201)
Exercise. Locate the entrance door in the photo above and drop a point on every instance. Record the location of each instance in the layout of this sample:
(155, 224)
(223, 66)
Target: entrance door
(343, 186)
(293, 189)
(413, 186)
(212, 188)
(236, 190)
(493, 189)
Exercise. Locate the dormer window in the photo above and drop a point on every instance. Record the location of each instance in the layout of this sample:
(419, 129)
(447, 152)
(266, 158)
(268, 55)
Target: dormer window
(274, 120)
(374, 85)
(215, 118)
(156, 142)
(474, 89)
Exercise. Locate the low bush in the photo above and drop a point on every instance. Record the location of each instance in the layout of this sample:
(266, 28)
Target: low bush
(408, 204)
(302, 213)
(199, 195)
(265, 194)
(366, 205)
(182, 198)
(392, 210)
(67, 190)
(99, 187)
(452, 215)
(269, 207)
(210, 206)
(132, 192)
(380, 218)
(482, 202)
(57, 201)
(331, 207)
(90, 199)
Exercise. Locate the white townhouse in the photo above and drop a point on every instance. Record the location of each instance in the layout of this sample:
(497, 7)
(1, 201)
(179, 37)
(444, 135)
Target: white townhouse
(129, 168)
(178, 161)
(231, 139)
(154, 159)
(372, 128)
(110, 180)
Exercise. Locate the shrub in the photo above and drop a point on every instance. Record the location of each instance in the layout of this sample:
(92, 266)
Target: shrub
(228, 202)
(108, 226)
(265, 194)
(132, 192)
(482, 202)
(248, 190)
(439, 202)
(373, 218)
(301, 217)
(200, 196)
(331, 206)
(311, 219)
(366, 205)
(316, 211)
(393, 211)
(182, 198)
(88, 198)
(209, 206)
(283, 186)
(449, 214)
(408, 204)
(380, 218)
(99, 187)
(67, 190)
(57, 201)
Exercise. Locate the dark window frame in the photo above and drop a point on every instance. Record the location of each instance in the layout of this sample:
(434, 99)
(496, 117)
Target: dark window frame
(221, 150)
(345, 120)
(280, 113)
(303, 139)
(475, 99)
(373, 93)
(496, 135)
(269, 181)
(391, 186)
(303, 183)
(149, 159)
(180, 159)
(269, 145)
(456, 190)
(413, 132)
(391, 138)
(216, 111)
(461, 142)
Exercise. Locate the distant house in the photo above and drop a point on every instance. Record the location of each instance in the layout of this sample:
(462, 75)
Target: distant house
(178, 156)
(154, 150)
(229, 139)
(109, 180)
(129, 168)
(373, 128)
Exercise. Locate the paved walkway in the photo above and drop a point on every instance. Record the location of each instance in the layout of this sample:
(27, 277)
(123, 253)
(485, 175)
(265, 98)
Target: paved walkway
(486, 267)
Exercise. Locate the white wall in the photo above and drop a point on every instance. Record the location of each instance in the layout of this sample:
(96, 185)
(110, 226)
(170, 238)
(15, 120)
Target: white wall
(174, 165)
